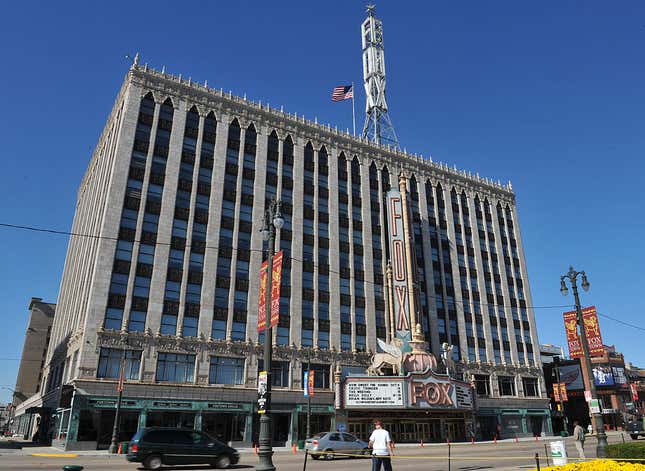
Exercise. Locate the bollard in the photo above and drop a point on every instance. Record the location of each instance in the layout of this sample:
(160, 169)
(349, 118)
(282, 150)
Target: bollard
(421, 443)
(536, 438)
(294, 450)
(622, 435)
(472, 440)
(537, 461)
(304, 466)
(448, 456)
(495, 439)
(546, 453)
(255, 448)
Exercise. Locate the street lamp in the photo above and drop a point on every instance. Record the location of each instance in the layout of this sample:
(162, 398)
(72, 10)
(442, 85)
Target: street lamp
(572, 275)
(114, 445)
(308, 432)
(273, 221)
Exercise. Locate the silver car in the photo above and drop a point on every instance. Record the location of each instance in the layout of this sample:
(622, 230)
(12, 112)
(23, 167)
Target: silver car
(323, 445)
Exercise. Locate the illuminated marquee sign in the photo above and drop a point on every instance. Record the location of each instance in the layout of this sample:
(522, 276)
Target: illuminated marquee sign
(414, 391)
(399, 271)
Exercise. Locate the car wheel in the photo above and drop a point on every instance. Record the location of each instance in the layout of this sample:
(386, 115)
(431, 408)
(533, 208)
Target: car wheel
(328, 456)
(315, 457)
(152, 462)
(223, 462)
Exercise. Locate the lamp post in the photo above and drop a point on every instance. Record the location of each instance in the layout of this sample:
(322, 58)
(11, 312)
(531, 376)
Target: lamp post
(273, 221)
(556, 370)
(572, 275)
(114, 445)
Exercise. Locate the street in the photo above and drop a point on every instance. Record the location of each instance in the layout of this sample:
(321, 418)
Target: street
(504, 455)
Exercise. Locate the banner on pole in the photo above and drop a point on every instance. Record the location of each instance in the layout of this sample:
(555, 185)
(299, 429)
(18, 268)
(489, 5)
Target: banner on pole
(556, 392)
(634, 391)
(563, 392)
(573, 339)
(276, 277)
(310, 384)
(262, 297)
(263, 386)
(305, 384)
(121, 382)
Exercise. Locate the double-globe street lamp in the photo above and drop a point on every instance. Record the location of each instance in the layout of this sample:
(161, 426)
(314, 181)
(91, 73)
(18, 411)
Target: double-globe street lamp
(273, 222)
(114, 443)
(572, 275)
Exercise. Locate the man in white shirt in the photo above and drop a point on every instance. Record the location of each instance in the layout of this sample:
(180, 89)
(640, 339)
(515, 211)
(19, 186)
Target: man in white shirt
(382, 447)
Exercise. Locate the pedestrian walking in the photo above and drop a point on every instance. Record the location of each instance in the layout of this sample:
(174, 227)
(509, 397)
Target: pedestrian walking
(579, 439)
(382, 447)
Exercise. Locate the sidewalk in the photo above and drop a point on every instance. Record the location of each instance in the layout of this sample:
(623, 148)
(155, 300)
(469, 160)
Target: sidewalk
(25, 447)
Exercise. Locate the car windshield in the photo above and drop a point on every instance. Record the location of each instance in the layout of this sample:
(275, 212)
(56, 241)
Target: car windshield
(137, 436)
(320, 435)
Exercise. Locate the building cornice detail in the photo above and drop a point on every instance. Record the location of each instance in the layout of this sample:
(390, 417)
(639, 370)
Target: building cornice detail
(221, 102)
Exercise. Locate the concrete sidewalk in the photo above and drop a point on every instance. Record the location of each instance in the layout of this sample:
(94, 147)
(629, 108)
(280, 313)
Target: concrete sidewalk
(25, 447)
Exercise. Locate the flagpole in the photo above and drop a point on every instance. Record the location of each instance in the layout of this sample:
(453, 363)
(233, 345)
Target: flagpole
(353, 112)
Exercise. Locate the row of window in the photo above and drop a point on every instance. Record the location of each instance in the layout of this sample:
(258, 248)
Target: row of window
(506, 386)
(180, 368)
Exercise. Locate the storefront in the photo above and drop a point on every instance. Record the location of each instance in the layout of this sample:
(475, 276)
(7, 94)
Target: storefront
(510, 423)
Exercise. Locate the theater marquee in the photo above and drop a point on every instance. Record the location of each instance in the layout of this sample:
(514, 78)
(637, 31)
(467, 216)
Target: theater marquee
(414, 391)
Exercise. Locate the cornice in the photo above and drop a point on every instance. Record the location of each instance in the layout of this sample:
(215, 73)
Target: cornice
(221, 102)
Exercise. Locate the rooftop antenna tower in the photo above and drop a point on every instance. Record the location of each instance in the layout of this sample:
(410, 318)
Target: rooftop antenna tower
(378, 127)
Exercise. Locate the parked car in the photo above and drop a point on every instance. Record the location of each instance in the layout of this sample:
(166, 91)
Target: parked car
(157, 446)
(322, 444)
(635, 428)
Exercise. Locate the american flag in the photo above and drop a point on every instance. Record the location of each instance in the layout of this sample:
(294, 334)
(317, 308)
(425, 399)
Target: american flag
(342, 92)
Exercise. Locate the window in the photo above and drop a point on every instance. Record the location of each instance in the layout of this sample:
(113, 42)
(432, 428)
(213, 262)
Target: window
(113, 319)
(175, 368)
(129, 218)
(141, 286)
(110, 363)
(307, 338)
(123, 250)
(238, 332)
(506, 385)
(530, 386)
(345, 342)
(321, 376)
(226, 370)
(172, 290)
(219, 329)
(279, 372)
(137, 321)
(323, 339)
(193, 293)
(168, 324)
(189, 328)
(482, 385)
(119, 283)
(146, 254)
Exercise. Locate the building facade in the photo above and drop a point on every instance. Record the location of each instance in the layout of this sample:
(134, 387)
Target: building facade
(26, 395)
(177, 188)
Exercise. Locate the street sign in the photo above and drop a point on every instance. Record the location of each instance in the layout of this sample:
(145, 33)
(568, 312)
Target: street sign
(587, 396)
(558, 453)
(595, 406)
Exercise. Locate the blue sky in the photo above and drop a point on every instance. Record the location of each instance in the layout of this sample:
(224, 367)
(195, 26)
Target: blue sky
(548, 95)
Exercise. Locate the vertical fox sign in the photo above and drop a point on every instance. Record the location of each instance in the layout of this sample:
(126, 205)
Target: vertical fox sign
(400, 310)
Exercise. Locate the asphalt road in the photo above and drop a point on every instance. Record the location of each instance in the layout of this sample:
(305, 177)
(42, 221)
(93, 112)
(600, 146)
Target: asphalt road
(464, 457)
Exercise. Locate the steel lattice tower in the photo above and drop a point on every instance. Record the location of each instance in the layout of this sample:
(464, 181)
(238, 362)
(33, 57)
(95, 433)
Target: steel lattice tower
(378, 127)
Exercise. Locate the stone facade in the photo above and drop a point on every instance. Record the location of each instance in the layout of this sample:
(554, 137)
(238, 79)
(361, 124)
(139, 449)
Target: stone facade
(473, 282)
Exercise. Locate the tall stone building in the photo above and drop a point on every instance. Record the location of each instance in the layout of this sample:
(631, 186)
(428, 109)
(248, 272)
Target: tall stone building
(172, 205)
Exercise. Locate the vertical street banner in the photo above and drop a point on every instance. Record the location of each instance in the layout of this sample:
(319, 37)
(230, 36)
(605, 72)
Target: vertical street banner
(119, 386)
(592, 329)
(556, 392)
(399, 267)
(262, 297)
(305, 384)
(573, 339)
(276, 277)
(634, 390)
(263, 385)
(563, 392)
(310, 383)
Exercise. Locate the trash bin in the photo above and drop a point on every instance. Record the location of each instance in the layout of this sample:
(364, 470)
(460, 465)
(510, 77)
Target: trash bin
(564, 433)
(301, 444)
(123, 448)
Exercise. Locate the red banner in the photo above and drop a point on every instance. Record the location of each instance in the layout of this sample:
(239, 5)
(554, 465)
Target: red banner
(276, 276)
(563, 392)
(119, 386)
(262, 298)
(634, 390)
(556, 392)
(571, 328)
(592, 329)
(311, 382)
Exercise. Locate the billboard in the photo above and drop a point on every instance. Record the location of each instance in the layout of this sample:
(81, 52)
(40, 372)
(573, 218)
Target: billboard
(571, 375)
(619, 374)
(592, 331)
(602, 376)
(399, 267)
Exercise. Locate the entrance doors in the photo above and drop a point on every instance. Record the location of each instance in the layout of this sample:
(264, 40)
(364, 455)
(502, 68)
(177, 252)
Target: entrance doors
(429, 431)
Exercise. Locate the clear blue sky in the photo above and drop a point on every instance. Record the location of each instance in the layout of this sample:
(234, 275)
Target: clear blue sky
(549, 95)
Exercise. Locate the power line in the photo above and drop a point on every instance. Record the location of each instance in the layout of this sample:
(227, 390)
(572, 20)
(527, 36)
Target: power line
(93, 236)
(622, 322)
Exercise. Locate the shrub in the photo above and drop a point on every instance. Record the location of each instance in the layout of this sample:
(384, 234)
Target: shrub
(598, 465)
(627, 450)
